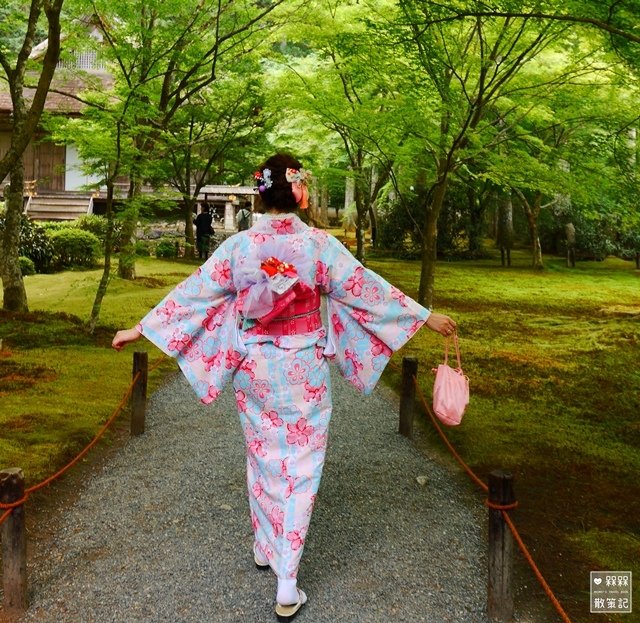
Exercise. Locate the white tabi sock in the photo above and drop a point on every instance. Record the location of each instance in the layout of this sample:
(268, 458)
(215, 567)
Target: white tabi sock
(287, 592)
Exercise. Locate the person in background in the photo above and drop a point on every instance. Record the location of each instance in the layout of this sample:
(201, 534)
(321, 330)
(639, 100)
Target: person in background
(251, 314)
(204, 231)
(244, 218)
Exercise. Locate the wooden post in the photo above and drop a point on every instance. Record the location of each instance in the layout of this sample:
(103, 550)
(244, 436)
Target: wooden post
(500, 587)
(139, 393)
(408, 395)
(14, 544)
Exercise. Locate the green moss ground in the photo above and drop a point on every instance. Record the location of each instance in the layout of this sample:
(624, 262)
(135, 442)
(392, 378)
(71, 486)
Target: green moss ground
(553, 364)
(552, 359)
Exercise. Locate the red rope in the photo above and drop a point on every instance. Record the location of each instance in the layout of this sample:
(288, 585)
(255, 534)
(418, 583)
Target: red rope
(10, 506)
(501, 507)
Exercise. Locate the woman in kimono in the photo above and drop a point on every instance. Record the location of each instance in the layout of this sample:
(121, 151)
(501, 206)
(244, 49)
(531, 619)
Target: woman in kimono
(251, 313)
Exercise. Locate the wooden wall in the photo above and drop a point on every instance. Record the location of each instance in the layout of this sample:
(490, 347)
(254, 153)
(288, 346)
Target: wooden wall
(42, 161)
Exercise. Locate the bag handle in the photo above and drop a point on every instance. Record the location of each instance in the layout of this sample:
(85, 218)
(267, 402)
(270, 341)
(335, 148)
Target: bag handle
(446, 349)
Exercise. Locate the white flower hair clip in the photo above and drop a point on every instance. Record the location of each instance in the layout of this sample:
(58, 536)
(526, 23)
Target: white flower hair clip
(298, 180)
(263, 178)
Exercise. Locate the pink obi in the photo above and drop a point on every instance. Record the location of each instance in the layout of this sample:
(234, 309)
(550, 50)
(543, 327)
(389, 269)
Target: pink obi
(300, 316)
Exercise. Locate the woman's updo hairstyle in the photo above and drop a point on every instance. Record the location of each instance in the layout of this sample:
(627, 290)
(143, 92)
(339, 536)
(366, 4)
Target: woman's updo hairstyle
(279, 196)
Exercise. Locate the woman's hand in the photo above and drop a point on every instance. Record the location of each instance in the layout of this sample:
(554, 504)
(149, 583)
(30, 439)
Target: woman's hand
(441, 324)
(122, 338)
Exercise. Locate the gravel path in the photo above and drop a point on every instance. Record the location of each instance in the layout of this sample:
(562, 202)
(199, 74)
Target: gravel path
(162, 533)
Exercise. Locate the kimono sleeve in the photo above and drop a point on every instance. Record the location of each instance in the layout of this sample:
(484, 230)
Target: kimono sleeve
(368, 317)
(196, 324)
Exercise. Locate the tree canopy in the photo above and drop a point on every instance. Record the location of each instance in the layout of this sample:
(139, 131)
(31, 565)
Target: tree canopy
(437, 115)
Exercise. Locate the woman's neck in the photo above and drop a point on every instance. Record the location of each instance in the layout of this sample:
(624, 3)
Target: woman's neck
(274, 212)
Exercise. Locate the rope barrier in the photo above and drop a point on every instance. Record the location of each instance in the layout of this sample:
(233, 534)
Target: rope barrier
(500, 507)
(9, 507)
(525, 552)
(503, 508)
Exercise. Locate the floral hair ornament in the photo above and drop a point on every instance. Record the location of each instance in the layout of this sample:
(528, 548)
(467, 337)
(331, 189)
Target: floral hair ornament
(298, 180)
(263, 178)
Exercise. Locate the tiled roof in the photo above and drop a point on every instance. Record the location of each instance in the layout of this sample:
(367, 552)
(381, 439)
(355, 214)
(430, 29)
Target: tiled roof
(57, 102)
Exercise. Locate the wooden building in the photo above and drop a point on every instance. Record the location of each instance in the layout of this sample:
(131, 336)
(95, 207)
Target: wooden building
(55, 185)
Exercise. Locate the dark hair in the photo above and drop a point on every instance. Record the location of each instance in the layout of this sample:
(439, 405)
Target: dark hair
(280, 196)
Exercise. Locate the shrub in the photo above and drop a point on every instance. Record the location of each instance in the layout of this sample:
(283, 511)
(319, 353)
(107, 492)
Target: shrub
(34, 243)
(397, 230)
(51, 226)
(97, 225)
(27, 267)
(166, 248)
(75, 247)
(143, 248)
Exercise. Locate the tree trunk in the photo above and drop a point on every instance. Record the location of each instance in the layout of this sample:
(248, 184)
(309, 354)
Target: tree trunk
(106, 273)
(430, 241)
(476, 223)
(324, 205)
(536, 261)
(373, 217)
(532, 212)
(360, 224)
(189, 238)
(505, 227)
(127, 259)
(14, 293)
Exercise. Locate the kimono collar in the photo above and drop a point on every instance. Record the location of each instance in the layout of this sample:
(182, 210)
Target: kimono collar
(279, 224)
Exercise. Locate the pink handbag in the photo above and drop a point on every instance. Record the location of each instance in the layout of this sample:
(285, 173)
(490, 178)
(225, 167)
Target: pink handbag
(450, 389)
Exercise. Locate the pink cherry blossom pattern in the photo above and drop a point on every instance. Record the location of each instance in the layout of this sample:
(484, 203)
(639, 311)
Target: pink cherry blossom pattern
(338, 327)
(352, 356)
(255, 522)
(271, 419)
(322, 274)
(295, 539)
(248, 366)
(378, 347)
(283, 226)
(372, 293)
(409, 323)
(179, 341)
(319, 442)
(171, 312)
(257, 447)
(241, 401)
(215, 318)
(299, 432)
(214, 361)
(261, 389)
(212, 394)
(361, 316)
(399, 296)
(291, 484)
(296, 485)
(354, 283)
(259, 238)
(276, 518)
(313, 393)
(232, 359)
(297, 372)
(221, 272)
(312, 502)
(258, 489)
(191, 350)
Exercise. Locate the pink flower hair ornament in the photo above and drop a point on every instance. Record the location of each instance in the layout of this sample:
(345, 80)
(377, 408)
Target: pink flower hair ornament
(298, 180)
